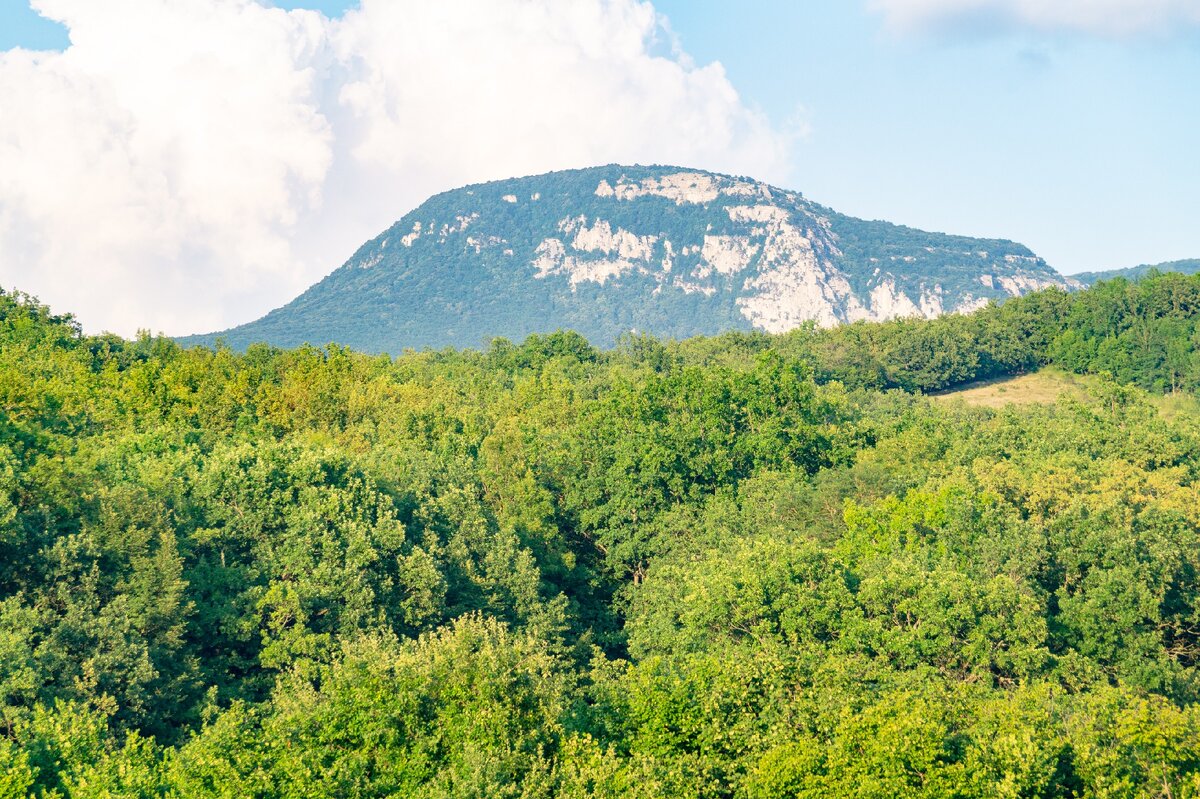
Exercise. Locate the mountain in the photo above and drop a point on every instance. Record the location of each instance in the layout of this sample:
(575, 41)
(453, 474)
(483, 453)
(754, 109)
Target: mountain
(1190, 266)
(671, 251)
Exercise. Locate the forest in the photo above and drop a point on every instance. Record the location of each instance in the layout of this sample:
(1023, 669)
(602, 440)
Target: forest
(742, 566)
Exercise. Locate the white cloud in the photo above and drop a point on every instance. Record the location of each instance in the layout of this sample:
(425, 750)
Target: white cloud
(1104, 17)
(186, 165)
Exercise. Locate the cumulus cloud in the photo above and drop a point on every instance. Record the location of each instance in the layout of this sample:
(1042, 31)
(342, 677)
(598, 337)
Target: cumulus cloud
(1104, 17)
(185, 165)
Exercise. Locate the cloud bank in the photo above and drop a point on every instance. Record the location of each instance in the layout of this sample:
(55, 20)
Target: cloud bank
(1115, 18)
(186, 165)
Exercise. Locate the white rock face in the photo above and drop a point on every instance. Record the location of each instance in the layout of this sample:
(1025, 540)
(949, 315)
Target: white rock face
(509, 198)
(1019, 284)
(758, 213)
(777, 255)
(682, 187)
(793, 292)
(600, 237)
(793, 284)
(971, 304)
(745, 188)
(780, 263)
(931, 303)
(554, 259)
(728, 255)
(668, 261)
(410, 238)
(481, 243)
(550, 256)
(695, 288)
(888, 303)
(460, 224)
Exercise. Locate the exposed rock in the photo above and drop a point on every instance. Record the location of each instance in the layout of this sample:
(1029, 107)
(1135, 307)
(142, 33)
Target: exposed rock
(668, 251)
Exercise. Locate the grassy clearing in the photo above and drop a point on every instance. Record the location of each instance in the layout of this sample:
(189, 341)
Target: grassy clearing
(1172, 406)
(1044, 386)
(1047, 385)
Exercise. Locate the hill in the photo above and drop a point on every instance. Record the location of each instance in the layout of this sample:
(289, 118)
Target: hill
(613, 249)
(1189, 266)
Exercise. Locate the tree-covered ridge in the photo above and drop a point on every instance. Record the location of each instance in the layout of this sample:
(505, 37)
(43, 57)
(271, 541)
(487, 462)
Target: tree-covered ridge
(1142, 333)
(609, 250)
(722, 567)
(1188, 266)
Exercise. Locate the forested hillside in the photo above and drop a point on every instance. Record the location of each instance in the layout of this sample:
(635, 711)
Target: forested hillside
(746, 566)
(1188, 266)
(612, 249)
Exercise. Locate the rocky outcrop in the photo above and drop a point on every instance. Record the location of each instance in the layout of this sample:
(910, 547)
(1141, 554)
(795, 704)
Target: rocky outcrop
(604, 251)
(780, 257)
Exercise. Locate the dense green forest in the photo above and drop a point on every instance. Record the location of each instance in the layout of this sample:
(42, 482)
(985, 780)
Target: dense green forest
(1188, 266)
(742, 566)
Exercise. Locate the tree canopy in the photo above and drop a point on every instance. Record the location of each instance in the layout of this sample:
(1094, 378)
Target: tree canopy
(743, 566)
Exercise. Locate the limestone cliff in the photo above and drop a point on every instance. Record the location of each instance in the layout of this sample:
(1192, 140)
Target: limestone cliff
(671, 251)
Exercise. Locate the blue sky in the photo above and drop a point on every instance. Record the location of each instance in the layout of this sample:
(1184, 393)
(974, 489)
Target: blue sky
(1079, 140)
(1087, 149)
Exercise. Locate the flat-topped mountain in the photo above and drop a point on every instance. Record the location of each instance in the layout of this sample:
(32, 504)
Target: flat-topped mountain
(664, 250)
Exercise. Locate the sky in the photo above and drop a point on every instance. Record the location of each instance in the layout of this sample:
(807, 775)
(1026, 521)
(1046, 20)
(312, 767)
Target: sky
(186, 165)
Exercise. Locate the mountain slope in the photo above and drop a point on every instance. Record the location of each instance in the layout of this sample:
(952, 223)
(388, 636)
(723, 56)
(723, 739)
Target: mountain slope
(611, 249)
(1189, 266)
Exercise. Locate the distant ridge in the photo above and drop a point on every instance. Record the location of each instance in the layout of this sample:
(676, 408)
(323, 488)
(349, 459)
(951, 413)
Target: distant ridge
(666, 250)
(1190, 266)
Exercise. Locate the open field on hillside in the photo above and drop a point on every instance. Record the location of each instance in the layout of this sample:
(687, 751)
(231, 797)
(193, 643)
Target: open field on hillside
(1044, 386)
(1047, 385)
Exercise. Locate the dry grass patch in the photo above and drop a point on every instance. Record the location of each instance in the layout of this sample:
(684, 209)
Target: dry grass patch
(1047, 385)
(1044, 386)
